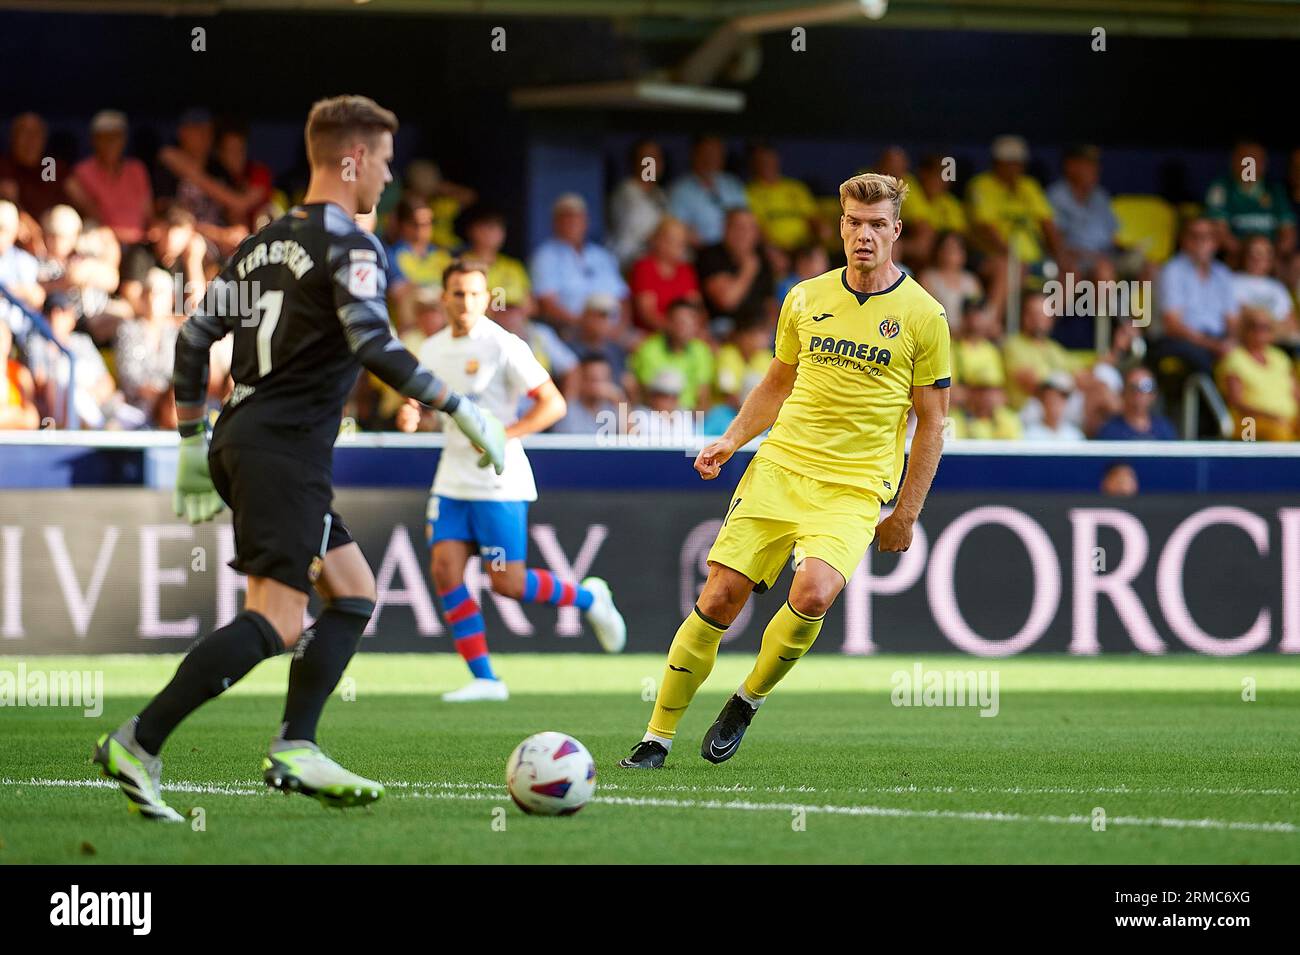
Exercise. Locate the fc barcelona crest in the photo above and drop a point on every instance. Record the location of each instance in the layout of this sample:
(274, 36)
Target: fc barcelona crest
(889, 328)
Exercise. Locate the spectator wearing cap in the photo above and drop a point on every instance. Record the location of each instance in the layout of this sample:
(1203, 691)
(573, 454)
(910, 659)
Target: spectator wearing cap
(663, 275)
(507, 279)
(597, 332)
(1088, 228)
(593, 404)
(948, 279)
(638, 203)
(1009, 213)
(1255, 287)
(177, 169)
(1053, 396)
(1246, 202)
(737, 277)
(1259, 382)
(678, 347)
(1088, 225)
(703, 196)
(1197, 301)
(785, 208)
(1136, 420)
(17, 389)
(567, 269)
(110, 187)
(1084, 216)
(84, 267)
(25, 176)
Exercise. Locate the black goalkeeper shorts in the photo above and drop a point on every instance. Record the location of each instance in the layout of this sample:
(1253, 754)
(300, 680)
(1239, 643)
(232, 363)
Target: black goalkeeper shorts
(280, 509)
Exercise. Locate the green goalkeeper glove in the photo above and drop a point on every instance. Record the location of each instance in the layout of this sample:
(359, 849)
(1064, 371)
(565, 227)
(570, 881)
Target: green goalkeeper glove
(482, 428)
(195, 498)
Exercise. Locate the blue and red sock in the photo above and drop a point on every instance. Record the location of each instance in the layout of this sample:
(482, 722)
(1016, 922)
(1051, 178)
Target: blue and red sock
(543, 587)
(466, 619)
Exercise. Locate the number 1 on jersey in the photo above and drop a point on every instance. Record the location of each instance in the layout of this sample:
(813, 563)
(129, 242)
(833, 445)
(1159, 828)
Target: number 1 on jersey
(267, 308)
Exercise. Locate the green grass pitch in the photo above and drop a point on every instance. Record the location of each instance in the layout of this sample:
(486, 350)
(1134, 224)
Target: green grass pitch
(1184, 769)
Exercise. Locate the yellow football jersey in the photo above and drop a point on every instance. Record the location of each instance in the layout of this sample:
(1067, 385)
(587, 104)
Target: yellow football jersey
(858, 356)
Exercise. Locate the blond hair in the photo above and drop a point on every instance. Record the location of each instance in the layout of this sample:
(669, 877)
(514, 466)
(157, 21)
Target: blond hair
(873, 187)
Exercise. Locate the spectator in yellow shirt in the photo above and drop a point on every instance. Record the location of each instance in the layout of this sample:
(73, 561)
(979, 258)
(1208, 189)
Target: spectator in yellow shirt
(785, 207)
(742, 362)
(984, 415)
(1009, 212)
(507, 279)
(446, 199)
(917, 240)
(975, 354)
(1259, 382)
(1032, 354)
(941, 210)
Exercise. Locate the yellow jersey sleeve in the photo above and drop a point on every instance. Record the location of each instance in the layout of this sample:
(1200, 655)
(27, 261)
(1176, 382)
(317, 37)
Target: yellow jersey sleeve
(787, 332)
(933, 361)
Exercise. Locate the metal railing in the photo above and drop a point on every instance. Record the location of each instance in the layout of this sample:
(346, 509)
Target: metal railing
(1200, 386)
(37, 325)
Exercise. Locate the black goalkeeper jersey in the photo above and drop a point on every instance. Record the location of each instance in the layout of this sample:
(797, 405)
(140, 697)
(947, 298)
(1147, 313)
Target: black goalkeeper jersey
(304, 298)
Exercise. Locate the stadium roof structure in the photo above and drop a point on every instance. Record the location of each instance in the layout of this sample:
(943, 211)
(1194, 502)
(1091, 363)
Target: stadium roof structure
(1271, 19)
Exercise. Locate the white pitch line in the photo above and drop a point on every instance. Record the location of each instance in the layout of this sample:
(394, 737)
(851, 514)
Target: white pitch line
(210, 789)
(896, 790)
(494, 792)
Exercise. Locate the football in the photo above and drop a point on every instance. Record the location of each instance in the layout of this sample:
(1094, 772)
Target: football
(550, 774)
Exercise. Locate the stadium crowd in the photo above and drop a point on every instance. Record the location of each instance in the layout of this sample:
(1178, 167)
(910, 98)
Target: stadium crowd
(676, 311)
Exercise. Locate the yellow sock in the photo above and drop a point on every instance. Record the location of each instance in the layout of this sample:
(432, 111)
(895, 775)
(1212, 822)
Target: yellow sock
(690, 660)
(789, 635)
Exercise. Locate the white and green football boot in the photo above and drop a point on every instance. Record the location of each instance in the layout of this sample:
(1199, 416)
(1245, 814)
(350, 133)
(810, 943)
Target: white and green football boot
(605, 620)
(123, 760)
(299, 766)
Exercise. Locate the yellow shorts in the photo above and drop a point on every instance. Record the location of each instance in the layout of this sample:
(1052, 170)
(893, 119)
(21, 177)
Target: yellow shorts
(776, 512)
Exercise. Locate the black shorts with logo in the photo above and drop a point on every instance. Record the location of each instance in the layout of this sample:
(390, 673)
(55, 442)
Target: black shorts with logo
(280, 510)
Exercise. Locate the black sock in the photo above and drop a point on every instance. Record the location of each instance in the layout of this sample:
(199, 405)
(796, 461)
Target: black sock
(215, 663)
(319, 660)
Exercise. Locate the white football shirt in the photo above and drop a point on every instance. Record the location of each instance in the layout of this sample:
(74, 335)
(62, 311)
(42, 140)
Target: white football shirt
(495, 369)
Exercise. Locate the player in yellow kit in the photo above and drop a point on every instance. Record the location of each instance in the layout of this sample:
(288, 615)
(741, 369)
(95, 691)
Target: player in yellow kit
(855, 348)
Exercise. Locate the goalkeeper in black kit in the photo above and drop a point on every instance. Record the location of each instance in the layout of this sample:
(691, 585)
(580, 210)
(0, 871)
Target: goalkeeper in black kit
(304, 298)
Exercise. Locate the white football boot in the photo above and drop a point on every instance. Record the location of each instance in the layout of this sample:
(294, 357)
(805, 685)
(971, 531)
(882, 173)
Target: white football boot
(604, 617)
(476, 690)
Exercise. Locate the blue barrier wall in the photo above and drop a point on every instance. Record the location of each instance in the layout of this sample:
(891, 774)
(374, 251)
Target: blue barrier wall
(577, 464)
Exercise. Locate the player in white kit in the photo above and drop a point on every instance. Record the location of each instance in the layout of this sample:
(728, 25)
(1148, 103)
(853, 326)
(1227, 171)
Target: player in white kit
(473, 508)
